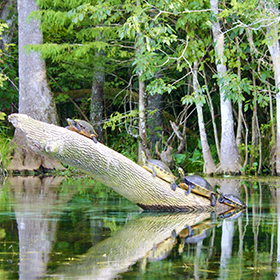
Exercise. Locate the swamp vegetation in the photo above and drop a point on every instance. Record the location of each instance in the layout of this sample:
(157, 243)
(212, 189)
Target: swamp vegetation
(197, 78)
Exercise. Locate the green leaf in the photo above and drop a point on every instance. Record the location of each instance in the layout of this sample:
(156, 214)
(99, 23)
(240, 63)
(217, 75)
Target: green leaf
(2, 116)
(81, 17)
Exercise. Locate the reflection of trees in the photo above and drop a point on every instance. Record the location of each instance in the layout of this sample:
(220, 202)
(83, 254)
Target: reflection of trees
(228, 250)
(256, 212)
(228, 230)
(96, 227)
(145, 242)
(278, 227)
(252, 254)
(36, 222)
(226, 247)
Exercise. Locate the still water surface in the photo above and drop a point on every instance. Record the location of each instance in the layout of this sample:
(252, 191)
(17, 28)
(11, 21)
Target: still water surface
(50, 229)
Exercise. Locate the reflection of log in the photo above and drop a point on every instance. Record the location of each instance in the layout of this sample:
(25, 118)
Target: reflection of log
(130, 244)
(106, 165)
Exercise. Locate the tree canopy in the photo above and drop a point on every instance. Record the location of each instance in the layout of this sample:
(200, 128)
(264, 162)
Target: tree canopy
(159, 43)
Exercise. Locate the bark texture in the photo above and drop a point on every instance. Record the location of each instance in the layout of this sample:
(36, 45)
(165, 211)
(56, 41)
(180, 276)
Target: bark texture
(107, 166)
(274, 49)
(209, 164)
(154, 117)
(35, 97)
(97, 107)
(229, 155)
(142, 118)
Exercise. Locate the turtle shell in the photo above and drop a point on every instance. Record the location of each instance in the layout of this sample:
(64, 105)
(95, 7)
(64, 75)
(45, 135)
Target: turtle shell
(198, 185)
(199, 182)
(82, 127)
(231, 200)
(232, 214)
(163, 249)
(86, 127)
(159, 165)
(159, 169)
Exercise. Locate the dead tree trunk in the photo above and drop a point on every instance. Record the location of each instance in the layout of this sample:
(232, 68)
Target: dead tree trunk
(35, 97)
(107, 166)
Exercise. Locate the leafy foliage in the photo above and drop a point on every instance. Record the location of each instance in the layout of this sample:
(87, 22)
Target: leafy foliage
(9, 73)
(159, 42)
(6, 147)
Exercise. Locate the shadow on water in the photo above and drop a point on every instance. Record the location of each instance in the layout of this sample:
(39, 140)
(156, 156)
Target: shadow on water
(52, 230)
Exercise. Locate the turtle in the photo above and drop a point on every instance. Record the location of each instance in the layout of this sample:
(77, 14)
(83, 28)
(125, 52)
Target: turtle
(159, 251)
(232, 214)
(195, 233)
(158, 168)
(163, 249)
(198, 185)
(82, 127)
(231, 200)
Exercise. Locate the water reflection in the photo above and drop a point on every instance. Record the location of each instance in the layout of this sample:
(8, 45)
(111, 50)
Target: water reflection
(53, 230)
(36, 223)
(278, 223)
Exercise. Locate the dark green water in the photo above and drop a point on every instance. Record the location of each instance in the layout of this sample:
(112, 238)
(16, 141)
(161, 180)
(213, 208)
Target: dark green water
(50, 229)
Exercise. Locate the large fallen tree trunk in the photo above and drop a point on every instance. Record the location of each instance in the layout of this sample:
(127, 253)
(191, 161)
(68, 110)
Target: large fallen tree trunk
(108, 166)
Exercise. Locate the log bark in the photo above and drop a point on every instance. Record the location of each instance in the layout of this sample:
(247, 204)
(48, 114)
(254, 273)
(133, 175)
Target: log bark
(107, 166)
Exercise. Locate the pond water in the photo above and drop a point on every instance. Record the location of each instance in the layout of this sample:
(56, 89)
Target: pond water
(51, 228)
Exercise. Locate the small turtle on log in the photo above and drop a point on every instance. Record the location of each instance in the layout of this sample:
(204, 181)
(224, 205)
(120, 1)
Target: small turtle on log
(159, 169)
(231, 200)
(82, 127)
(198, 185)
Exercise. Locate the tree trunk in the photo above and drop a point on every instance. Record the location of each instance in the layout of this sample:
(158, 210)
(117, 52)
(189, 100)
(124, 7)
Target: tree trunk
(155, 118)
(273, 140)
(35, 97)
(255, 136)
(239, 129)
(274, 49)
(96, 106)
(209, 164)
(143, 145)
(211, 108)
(229, 156)
(108, 166)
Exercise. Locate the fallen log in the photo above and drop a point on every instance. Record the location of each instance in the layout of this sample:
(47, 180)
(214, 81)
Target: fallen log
(108, 166)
